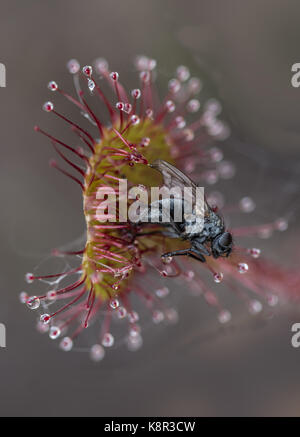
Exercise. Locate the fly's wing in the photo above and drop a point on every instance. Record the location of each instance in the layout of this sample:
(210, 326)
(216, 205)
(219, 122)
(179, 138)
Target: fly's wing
(175, 178)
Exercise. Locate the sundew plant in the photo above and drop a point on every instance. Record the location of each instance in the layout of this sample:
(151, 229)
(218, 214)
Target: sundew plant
(121, 262)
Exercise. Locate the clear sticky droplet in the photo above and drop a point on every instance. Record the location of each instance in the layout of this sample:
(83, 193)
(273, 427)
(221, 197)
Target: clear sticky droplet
(134, 330)
(52, 86)
(66, 344)
(51, 295)
(218, 277)
(242, 268)
(101, 65)
(114, 303)
(134, 343)
(97, 352)
(224, 316)
(174, 86)
(247, 204)
(23, 297)
(121, 312)
(108, 340)
(114, 75)
(136, 93)
(254, 252)
(45, 318)
(272, 300)
(171, 315)
(48, 106)
(162, 292)
(73, 66)
(255, 307)
(157, 316)
(193, 105)
(281, 224)
(170, 106)
(54, 332)
(134, 120)
(33, 302)
(91, 85)
(29, 278)
(182, 73)
(133, 317)
(194, 85)
(87, 70)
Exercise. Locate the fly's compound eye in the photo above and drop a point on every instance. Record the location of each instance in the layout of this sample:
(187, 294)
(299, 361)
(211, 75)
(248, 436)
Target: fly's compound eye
(225, 240)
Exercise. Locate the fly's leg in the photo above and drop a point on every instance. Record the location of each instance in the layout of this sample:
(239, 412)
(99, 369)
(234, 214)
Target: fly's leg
(192, 252)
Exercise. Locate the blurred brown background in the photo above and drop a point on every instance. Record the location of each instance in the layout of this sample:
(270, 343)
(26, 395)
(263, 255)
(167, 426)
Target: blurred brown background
(245, 49)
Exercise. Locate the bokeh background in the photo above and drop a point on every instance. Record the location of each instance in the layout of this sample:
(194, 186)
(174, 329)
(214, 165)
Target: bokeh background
(243, 50)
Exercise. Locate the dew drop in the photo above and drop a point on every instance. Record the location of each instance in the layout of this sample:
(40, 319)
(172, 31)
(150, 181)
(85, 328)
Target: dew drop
(218, 277)
(145, 141)
(127, 108)
(29, 278)
(174, 86)
(170, 106)
(281, 224)
(157, 316)
(97, 352)
(45, 318)
(51, 295)
(224, 316)
(189, 134)
(23, 297)
(52, 86)
(272, 300)
(149, 113)
(171, 315)
(87, 70)
(133, 317)
(162, 292)
(216, 154)
(182, 73)
(211, 177)
(136, 93)
(108, 340)
(226, 170)
(120, 106)
(242, 268)
(255, 306)
(48, 106)
(134, 330)
(134, 120)
(114, 76)
(91, 85)
(134, 343)
(180, 122)
(265, 232)
(101, 65)
(145, 76)
(254, 252)
(66, 344)
(33, 302)
(194, 85)
(247, 204)
(73, 66)
(121, 312)
(114, 303)
(193, 105)
(54, 332)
